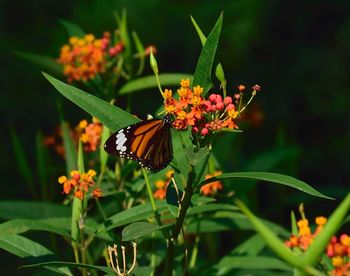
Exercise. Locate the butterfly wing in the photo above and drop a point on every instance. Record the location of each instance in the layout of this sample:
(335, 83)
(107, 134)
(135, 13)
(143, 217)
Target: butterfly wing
(148, 142)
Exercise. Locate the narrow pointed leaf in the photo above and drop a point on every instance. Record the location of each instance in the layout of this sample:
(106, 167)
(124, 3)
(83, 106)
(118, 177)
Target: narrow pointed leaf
(18, 226)
(139, 229)
(32, 210)
(104, 269)
(250, 262)
(43, 62)
(133, 214)
(199, 31)
(69, 147)
(72, 29)
(202, 75)
(111, 116)
(270, 177)
(26, 248)
(21, 160)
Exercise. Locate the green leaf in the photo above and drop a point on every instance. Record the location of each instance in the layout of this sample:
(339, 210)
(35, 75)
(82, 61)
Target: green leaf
(225, 221)
(69, 148)
(104, 269)
(18, 226)
(270, 177)
(252, 246)
(210, 208)
(202, 75)
(139, 229)
(111, 116)
(172, 199)
(124, 35)
(250, 262)
(320, 242)
(199, 31)
(42, 165)
(140, 52)
(72, 29)
(272, 240)
(32, 210)
(77, 206)
(133, 214)
(103, 154)
(22, 162)
(25, 248)
(166, 79)
(44, 62)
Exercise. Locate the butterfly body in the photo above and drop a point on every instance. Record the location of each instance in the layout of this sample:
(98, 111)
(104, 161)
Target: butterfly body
(147, 142)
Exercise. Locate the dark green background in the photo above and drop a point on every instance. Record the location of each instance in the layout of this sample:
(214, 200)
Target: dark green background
(297, 50)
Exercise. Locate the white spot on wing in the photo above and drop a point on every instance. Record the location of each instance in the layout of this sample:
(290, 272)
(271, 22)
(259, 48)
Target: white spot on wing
(120, 142)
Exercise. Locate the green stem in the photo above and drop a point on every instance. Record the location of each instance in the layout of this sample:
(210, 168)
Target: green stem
(194, 253)
(154, 207)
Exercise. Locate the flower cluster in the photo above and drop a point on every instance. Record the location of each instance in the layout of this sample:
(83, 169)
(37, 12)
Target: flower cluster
(305, 236)
(80, 183)
(203, 115)
(83, 58)
(212, 188)
(338, 249)
(90, 134)
(162, 185)
(55, 141)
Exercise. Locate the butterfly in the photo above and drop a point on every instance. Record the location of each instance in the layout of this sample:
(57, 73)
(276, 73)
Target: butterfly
(147, 142)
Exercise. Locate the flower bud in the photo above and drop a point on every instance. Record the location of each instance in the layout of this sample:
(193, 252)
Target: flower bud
(204, 131)
(220, 106)
(227, 100)
(212, 97)
(230, 107)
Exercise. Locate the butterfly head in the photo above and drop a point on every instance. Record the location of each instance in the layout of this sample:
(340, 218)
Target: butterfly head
(167, 120)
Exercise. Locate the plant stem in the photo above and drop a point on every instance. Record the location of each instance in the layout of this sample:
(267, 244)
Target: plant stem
(179, 222)
(154, 207)
(194, 253)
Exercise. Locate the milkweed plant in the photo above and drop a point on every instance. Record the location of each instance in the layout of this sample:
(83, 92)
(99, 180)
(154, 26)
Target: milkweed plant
(118, 218)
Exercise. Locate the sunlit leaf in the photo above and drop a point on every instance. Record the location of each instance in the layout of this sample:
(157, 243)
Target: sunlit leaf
(270, 177)
(202, 75)
(111, 116)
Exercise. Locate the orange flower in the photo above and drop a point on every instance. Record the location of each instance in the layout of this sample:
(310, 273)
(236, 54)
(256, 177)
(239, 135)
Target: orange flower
(84, 58)
(97, 192)
(337, 250)
(91, 135)
(185, 83)
(213, 187)
(162, 185)
(80, 183)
